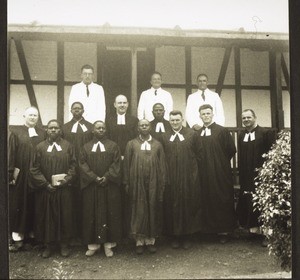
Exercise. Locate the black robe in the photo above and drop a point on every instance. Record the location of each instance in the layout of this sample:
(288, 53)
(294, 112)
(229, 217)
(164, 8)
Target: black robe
(144, 173)
(250, 158)
(21, 199)
(78, 139)
(53, 211)
(101, 205)
(121, 134)
(182, 209)
(158, 135)
(217, 197)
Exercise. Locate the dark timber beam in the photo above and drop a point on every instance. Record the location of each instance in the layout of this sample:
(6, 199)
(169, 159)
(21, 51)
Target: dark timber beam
(101, 49)
(26, 74)
(223, 70)
(238, 89)
(276, 89)
(285, 72)
(60, 81)
(188, 71)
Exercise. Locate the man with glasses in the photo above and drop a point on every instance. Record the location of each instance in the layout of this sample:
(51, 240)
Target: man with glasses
(90, 94)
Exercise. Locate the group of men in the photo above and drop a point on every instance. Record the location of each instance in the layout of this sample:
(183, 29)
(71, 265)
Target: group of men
(99, 178)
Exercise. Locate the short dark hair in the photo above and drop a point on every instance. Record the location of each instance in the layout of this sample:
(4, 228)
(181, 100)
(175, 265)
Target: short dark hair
(156, 72)
(77, 102)
(87, 66)
(158, 104)
(54, 120)
(250, 110)
(176, 112)
(202, 74)
(205, 106)
(98, 121)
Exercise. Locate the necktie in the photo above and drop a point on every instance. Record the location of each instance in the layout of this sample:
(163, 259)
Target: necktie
(155, 92)
(75, 127)
(101, 146)
(32, 132)
(203, 96)
(206, 132)
(251, 135)
(160, 127)
(87, 91)
(146, 145)
(50, 147)
(180, 136)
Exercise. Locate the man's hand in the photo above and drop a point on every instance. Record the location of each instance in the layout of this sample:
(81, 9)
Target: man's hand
(50, 188)
(196, 127)
(103, 181)
(62, 183)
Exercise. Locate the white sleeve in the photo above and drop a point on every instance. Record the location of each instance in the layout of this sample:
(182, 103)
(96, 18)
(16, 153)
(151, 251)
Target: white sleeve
(169, 106)
(141, 107)
(102, 105)
(190, 112)
(219, 114)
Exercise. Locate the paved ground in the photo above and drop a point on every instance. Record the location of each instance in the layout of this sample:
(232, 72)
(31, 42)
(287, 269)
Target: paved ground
(207, 259)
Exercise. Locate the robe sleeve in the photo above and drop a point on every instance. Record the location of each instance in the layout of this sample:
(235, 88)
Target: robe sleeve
(270, 139)
(127, 162)
(71, 174)
(87, 176)
(37, 177)
(228, 143)
(114, 172)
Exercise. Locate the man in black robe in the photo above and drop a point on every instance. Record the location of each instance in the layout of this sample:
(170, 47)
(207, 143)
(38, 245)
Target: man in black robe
(253, 142)
(144, 177)
(78, 132)
(182, 211)
(159, 125)
(121, 128)
(100, 162)
(217, 197)
(21, 145)
(53, 211)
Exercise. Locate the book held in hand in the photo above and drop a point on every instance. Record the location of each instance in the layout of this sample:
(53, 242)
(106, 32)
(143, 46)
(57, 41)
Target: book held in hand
(55, 179)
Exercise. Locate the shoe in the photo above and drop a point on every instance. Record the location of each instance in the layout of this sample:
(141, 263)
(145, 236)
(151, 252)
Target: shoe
(186, 244)
(264, 243)
(90, 253)
(64, 251)
(139, 250)
(16, 246)
(152, 249)
(224, 239)
(175, 244)
(46, 253)
(108, 251)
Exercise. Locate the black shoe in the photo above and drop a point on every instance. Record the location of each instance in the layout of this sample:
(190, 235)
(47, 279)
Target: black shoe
(151, 248)
(139, 250)
(16, 246)
(223, 239)
(46, 253)
(64, 251)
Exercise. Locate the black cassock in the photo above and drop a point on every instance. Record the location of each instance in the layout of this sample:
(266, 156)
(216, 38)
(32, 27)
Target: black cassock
(250, 158)
(21, 198)
(182, 208)
(78, 139)
(121, 134)
(101, 205)
(217, 197)
(53, 211)
(158, 134)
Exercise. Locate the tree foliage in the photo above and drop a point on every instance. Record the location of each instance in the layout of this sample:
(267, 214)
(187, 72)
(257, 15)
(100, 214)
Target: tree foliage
(272, 198)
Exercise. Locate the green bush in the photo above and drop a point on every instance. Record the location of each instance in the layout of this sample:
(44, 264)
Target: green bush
(273, 198)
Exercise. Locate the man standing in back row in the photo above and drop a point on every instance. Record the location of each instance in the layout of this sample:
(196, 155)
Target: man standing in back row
(200, 97)
(90, 94)
(154, 95)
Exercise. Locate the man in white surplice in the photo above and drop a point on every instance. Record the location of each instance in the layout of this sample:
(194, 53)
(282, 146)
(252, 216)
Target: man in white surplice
(90, 94)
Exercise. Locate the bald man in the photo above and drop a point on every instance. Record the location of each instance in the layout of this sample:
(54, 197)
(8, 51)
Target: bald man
(22, 142)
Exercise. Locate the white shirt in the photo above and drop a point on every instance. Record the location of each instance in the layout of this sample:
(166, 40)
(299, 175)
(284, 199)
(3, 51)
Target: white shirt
(148, 99)
(94, 105)
(195, 100)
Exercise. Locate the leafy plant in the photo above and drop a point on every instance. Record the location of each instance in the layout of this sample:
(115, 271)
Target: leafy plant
(273, 198)
(60, 273)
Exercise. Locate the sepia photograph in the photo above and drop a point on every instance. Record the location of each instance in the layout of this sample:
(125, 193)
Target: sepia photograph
(149, 139)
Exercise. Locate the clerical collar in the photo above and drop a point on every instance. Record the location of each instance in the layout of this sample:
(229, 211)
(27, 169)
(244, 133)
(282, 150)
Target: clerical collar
(177, 133)
(160, 127)
(247, 131)
(75, 120)
(54, 144)
(142, 139)
(101, 146)
(31, 131)
(121, 120)
(178, 130)
(75, 126)
(146, 146)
